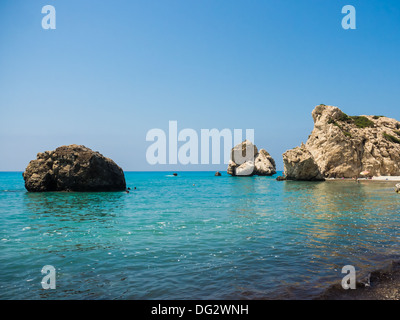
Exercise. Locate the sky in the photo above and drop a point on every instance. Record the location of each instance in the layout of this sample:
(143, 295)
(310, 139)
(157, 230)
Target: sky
(113, 70)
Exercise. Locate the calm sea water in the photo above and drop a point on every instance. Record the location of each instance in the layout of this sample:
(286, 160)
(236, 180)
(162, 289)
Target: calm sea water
(194, 236)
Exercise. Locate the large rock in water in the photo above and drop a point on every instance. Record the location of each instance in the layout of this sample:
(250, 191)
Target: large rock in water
(246, 160)
(264, 164)
(299, 164)
(342, 146)
(73, 168)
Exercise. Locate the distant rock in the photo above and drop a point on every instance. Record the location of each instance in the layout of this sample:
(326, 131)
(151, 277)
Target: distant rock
(217, 174)
(73, 168)
(397, 188)
(243, 152)
(343, 146)
(280, 178)
(245, 169)
(231, 168)
(265, 164)
(246, 160)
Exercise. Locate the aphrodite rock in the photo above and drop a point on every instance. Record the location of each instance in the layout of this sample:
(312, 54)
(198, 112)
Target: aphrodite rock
(265, 164)
(299, 164)
(243, 152)
(73, 168)
(246, 160)
(397, 188)
(245, 169)
(343, 146)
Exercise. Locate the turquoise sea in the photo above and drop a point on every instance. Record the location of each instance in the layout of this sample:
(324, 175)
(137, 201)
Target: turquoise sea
(194, 236)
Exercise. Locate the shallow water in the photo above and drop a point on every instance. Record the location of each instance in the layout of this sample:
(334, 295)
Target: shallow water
(194, 236)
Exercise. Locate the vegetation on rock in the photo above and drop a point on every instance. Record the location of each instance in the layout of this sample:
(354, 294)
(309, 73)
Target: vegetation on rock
(359, 121)
(391, 138)
(362, 122)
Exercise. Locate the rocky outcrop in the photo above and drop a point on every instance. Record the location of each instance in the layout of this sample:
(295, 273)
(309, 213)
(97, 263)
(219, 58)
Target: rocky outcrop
(73, 168)
(246, 160)
(343, 146)
(299, 164)
(245, 169)
(217, 174)
(264, 164)
(397, 188)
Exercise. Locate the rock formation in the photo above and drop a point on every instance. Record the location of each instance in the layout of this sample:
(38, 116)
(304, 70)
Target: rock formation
(73, 168)
(264, 164)
(341, 146)
(397, 188)
(217, 174)
(246, 160)
(300, 165)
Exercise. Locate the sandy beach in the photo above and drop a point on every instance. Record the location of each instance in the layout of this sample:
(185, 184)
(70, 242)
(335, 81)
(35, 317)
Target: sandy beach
(380, 178)
(386, 178)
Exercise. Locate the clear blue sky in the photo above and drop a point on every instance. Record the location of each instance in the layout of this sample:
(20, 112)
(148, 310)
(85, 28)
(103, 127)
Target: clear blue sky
(112, 70)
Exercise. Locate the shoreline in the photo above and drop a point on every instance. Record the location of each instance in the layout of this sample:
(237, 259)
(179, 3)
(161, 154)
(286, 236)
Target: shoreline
(386, 178)
(380, 284)
(380, 179)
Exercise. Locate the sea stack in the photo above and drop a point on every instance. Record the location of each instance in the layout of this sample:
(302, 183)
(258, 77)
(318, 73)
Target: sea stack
(342, 146)
(73, 168)
(246, 160)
